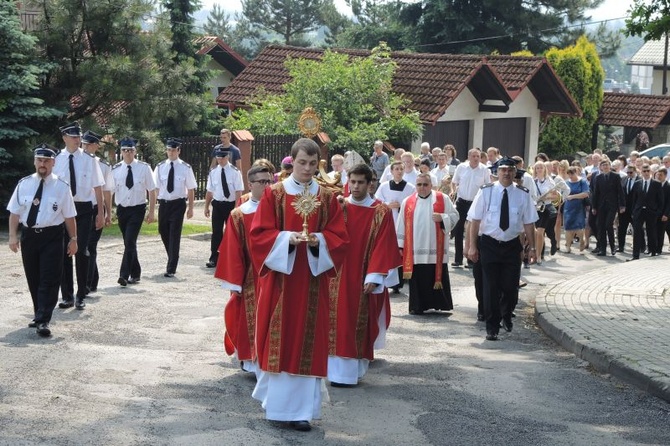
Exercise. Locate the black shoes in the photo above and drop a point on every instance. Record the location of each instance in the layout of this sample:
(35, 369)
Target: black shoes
(554, 250)
(396, 290)
(122, 281)
(32, 324)
(66, 304)
(133, 280)
(601, 254)
(43, 330)
(168, 275)
(455, 264)
(416, 312)
(211, 264)
(79, 303)
(492, 336)
(336, 384)
(302, 426)
(480, 317)
(507, 324)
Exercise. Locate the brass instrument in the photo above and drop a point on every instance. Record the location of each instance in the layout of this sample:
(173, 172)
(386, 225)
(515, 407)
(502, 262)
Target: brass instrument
(540, 200)
(324, 180)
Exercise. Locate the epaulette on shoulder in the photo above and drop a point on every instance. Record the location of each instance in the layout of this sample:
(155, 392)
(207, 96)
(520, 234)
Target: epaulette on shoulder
(486, 185)
(143, 162)
(522, 188)
(63, 181)
(188, 166)
(104, 161)
(24, 178)
(161, 163)
(233, 166)
(90, 154)
(117, 165)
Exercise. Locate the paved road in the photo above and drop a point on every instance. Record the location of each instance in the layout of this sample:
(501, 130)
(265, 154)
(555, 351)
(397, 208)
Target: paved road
(144, 365)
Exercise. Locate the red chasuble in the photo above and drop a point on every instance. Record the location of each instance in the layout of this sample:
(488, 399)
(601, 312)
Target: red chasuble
(373, 249)
(293, 309)
(235, 267)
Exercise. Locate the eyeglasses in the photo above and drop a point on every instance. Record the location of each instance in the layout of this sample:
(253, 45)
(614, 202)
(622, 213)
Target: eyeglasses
(261, 181)
(646, 170)
(422, 184)
(127, 150)
(630, 172)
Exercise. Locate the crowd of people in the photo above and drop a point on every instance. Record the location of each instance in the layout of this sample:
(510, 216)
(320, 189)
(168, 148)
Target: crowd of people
(309, 258)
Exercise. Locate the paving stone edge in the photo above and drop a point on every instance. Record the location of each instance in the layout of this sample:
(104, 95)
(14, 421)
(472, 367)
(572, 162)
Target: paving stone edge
(602, 360)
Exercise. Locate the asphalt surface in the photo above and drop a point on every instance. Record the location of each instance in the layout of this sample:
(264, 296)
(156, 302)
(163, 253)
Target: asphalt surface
(145, 365)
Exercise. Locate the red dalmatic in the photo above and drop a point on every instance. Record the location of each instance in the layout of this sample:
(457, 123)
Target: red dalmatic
(292, 309)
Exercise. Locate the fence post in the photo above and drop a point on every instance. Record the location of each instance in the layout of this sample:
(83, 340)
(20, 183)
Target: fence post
(243, 139)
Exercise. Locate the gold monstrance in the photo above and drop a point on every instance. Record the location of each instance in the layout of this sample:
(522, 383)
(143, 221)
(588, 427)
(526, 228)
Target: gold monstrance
(305, 205)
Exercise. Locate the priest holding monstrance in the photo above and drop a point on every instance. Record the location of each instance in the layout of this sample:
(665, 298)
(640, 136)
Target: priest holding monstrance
(299, 241)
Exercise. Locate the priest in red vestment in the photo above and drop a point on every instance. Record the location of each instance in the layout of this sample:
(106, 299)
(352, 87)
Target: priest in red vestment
(424, 222)
(371, 264)
(292, 319)
(237, 274)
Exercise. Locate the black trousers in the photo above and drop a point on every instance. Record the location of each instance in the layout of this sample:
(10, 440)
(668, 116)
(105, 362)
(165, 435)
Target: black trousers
(644, 218)
(93, 275)
(661, 229)
(462, 206)
(501, 270)
(39, 250)
(130, 221)
(625, 219)
(605, 226)
(170, 223)
(220, 212)
(477, 274)
(84, 226)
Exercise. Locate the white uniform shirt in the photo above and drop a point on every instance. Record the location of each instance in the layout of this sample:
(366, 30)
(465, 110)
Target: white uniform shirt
(542, 187)
(233, 178)
(469, 180)
(87, 172)
(184, 179)
(386, 194)
(440, 173)
(106, 170)
(486, 208)
(56, 204)
(143, 181)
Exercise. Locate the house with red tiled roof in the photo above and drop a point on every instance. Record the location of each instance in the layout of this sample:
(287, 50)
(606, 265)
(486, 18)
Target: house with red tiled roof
(225, 62)
(637, 112)
(465, 100)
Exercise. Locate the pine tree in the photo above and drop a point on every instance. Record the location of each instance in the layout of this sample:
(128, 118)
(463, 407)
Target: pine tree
(20, 108)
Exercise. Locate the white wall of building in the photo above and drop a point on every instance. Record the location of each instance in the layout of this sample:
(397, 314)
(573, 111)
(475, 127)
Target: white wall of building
(466, 107)
(657, 85)
(221, 79)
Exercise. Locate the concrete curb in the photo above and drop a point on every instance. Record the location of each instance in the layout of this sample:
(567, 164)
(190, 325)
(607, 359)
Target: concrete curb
(600, 358)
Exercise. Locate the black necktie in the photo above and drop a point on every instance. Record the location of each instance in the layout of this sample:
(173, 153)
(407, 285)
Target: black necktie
(504, 211)
(630, 183)
(170, 185)
(646, 186)
(224, 183)
(129, 178)
(32, 215)
(73, 179)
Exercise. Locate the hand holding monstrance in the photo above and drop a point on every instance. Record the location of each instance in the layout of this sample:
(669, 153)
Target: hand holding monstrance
(305, 205)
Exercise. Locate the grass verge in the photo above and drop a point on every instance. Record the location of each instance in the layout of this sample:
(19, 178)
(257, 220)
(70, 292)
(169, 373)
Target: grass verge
(152, 229)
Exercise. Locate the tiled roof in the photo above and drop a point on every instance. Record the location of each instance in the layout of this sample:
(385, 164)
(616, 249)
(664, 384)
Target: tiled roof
(222, 53)
(430, 81)
(634, 110)
(651, 54)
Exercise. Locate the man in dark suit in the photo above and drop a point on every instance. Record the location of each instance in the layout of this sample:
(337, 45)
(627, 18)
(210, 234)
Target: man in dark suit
(662, 223)
(647, 208)
(626, 217)
(608, 199)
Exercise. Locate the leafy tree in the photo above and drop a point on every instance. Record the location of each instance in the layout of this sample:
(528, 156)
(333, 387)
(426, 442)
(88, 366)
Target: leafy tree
(20, 106)
(352, 95)
(579, 68)
(649, 19)
(288, 18)
(101, 63)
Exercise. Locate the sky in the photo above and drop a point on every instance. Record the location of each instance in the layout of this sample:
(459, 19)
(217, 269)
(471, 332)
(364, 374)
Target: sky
(610, 9)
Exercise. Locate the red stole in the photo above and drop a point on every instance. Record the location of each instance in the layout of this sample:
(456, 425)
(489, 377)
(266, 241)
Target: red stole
(408, 251)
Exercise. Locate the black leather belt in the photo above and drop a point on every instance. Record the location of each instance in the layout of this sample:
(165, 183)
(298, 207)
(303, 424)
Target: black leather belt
(45, 230)
(162, 201)
(500, 242)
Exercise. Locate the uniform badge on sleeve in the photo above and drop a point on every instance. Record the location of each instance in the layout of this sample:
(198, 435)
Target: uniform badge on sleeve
(55, 207)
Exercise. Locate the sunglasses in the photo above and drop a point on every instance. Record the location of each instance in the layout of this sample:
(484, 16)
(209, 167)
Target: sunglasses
(261, 181)
(127, 150)
(422, 184)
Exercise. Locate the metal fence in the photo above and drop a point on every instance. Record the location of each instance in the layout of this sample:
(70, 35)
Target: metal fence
(273, 148)
(197, 151)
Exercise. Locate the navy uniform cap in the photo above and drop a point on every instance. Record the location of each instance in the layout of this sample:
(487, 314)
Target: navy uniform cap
(220, 152)
(173, 143)
(90, 138)
(44, 151)
(506, 161)
(128, 142)
(72, 129)
(519, 174)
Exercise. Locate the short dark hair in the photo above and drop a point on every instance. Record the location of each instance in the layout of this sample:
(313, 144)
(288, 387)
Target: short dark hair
(361, 169)
(309, 146)
(256, 170)
(397, 163)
